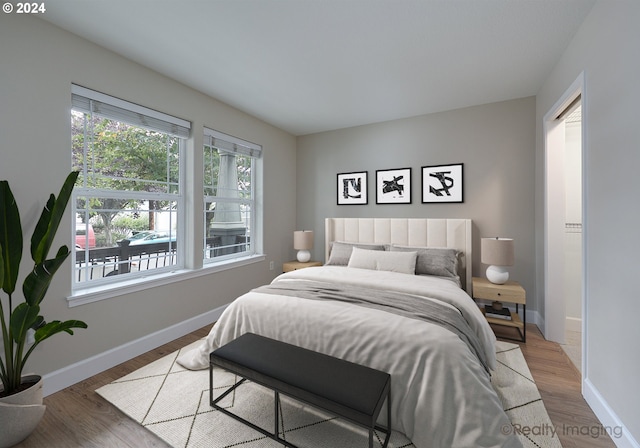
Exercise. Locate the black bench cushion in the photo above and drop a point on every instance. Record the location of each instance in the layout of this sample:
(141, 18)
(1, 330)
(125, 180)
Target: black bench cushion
(298, 372)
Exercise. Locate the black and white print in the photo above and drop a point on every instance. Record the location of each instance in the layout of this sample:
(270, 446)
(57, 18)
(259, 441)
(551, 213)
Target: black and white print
(442, 183)
(352, 188)
(393, 186)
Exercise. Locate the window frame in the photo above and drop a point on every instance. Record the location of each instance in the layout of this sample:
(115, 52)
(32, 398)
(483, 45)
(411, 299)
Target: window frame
(193, 262)
(231, 144)
(92, 104)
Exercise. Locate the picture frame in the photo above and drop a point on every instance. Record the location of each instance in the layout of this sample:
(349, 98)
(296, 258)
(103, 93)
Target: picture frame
(442, 183)
(352, 188)
(393, 186)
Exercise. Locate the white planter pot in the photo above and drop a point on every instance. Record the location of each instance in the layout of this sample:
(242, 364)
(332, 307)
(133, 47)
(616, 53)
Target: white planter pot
(20, 413)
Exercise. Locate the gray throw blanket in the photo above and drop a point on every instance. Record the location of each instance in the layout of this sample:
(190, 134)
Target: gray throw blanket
(407, 305)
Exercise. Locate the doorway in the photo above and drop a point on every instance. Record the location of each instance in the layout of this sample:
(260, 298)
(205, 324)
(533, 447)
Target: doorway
(573, 233)
(564, 130)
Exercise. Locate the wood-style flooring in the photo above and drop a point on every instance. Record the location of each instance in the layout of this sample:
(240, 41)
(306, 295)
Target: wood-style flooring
(78, 417)
(559, 383)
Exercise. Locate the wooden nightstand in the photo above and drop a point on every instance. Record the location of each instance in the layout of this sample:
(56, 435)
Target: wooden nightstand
(510, 292)
(295, 265)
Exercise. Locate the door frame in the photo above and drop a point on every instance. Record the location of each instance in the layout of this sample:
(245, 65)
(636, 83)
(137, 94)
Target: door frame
(553, 130)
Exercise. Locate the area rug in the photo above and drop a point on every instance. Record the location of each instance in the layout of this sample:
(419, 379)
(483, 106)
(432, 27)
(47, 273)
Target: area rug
(173, 403)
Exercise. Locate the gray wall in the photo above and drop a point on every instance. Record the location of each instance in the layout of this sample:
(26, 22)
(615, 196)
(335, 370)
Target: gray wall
(38, 64)
(496, 143)
(606, 49)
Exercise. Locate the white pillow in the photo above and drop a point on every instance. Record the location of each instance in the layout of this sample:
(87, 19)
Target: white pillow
(377, 260)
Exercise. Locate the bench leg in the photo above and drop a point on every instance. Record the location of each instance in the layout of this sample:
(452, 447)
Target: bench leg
(386, 440)
(388, 428)
(213, 402)
(274, 436)
(276, 412)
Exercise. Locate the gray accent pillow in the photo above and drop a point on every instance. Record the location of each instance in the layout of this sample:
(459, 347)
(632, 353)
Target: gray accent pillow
(341, 251)
(441, 262)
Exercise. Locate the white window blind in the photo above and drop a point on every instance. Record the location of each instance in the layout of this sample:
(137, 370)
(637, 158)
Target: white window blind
(231, 144)
(90, 101)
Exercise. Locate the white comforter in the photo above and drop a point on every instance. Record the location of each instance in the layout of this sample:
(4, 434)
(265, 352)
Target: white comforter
(441, 394)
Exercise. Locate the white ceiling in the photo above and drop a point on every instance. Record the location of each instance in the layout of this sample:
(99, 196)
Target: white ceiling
(307, 66)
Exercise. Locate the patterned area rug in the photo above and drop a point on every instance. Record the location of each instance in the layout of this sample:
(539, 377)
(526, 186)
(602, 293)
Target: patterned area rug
(173, 403)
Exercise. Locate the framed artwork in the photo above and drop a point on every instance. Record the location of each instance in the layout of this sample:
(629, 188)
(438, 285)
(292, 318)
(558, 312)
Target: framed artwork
(352, 188)
(393, 186)
(442, 183)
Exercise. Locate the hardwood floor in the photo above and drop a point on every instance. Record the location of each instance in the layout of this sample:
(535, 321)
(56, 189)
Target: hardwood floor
(559, 383)
(78, 417)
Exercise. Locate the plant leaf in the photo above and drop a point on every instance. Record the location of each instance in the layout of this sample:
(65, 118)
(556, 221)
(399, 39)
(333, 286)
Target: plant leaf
(24, 316)
(55, 327)
(10, 237)
(37, 283)
(38, 323)
(50, 218)
(40, 239)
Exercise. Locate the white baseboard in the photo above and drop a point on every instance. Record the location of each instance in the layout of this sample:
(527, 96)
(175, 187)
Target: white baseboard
(67, 376)
(610, 421)
(533, 317)
(573, 324)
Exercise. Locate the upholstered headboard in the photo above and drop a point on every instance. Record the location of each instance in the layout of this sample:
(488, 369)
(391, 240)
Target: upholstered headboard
(450, 233)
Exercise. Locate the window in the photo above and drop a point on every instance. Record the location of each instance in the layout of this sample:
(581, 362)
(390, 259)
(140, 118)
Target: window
(127, 204)
(229, 196)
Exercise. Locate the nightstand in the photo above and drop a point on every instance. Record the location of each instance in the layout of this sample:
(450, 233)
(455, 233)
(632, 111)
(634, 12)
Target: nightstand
(510, 292)
(295, 265)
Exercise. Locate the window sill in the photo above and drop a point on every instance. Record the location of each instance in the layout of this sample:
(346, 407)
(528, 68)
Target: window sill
(102, 292)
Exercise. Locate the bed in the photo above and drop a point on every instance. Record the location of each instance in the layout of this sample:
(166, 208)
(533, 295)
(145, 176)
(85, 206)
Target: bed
(390, 296)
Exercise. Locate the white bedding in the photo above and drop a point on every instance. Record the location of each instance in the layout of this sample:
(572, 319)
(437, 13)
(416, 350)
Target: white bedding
(441, 394)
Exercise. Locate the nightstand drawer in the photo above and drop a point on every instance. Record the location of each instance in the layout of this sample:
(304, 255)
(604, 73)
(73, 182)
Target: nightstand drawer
(295, 265)
(509, 292)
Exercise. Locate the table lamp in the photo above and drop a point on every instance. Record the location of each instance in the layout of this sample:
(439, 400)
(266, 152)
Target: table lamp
(497, 253)
(303, 242)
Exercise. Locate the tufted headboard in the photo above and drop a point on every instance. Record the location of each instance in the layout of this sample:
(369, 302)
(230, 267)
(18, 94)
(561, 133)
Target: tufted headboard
(450, 233)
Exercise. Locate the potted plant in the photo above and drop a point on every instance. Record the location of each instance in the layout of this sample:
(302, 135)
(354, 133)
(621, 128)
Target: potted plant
(17, 319)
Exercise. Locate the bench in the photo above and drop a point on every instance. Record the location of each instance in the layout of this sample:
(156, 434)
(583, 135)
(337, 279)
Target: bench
(347, 390)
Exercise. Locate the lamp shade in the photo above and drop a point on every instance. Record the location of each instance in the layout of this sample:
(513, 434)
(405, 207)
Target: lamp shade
(498, 253)
(302, 242)
(303, 239)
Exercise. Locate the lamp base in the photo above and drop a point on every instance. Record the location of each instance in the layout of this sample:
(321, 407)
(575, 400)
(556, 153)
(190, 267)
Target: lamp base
(304, 256)
(497, 274)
